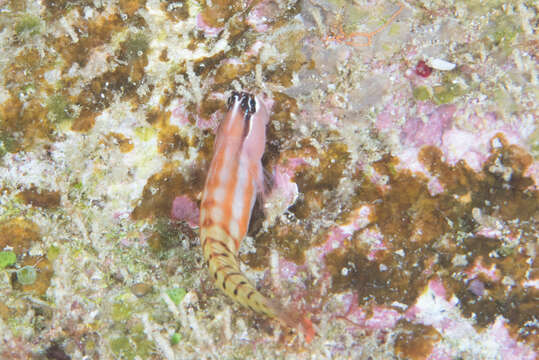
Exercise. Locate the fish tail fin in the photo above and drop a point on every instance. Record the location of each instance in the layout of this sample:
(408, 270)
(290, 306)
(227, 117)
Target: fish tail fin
(293, 320)
(307, 328)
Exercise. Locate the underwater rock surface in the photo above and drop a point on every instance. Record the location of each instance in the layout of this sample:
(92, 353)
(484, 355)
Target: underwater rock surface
(401, 208)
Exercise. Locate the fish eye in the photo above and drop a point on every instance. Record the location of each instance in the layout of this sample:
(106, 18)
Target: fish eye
(252, 104)
(248, 103)
(235, 96)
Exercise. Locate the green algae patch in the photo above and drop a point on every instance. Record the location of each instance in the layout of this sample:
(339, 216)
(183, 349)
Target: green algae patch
(27, 275)
(53, 253)
(134, 47)
(176, 295)
(132, 346)
(34, 276)
(121, 311)
(452, 87)
(422, 93)
(175, 339)
(28, 24)
(145, 133)
(8, 143)
(121, 346)
(58, 107)
(447, 93)
(7, 258)
(533, 140)
(504, 31)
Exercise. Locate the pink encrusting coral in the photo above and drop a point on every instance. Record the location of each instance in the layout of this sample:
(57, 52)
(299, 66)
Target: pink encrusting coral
(478, 268)
(179, 115)
(284, 191)
(374, 319)
(509, 347)
(358, 220)
(206, 28)
(418, 132)
(261, 14)
(185, 209)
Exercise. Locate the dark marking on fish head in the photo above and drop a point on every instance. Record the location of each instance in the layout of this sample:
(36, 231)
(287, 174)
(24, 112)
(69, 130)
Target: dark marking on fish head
(232, 99)
(248, 104)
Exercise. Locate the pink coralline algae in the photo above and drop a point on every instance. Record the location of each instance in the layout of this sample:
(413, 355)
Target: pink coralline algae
(478, 268)
(477, 287)
(417, 132)
(375, 318)
(434, 309)
(358, 220)
(381, 318)
(258, 18)
(211, 123)
(375, 239)
(185, 209)
(287, 269)
(509, 347)
(207, 29)
(284, 191)
(179, 115)
(458, 144)
(283, 186)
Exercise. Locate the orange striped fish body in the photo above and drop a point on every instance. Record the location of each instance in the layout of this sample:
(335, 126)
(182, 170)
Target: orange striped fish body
(234, 179)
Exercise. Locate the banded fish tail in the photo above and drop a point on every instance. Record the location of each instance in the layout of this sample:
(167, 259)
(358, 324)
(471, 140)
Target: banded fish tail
(225, 271)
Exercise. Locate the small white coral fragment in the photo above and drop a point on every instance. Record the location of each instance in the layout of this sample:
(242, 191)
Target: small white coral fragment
(440, 64)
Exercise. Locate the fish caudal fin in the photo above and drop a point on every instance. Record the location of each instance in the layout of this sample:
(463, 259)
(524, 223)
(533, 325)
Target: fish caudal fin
(293, 320)
(307, 329)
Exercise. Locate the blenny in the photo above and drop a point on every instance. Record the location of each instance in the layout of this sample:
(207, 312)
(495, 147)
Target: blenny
(234, 180)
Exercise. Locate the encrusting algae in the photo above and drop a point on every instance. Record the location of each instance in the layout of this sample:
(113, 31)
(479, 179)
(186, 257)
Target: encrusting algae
(400, 212)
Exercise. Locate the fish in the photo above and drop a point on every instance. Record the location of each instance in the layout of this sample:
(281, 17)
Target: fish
(235, 179)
